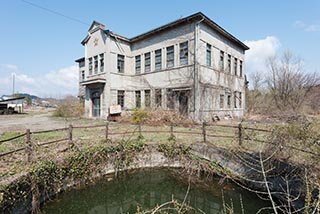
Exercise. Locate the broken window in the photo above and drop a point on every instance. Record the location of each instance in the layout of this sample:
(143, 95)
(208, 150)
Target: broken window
(101, 63)
(158, 97)
(147, 98)
(235, 66)
(138, 99)
(147, 62)
(221, 62)
(170, 56)
(120, 97)
(90, 66)
(240, 73)
(96, 64)
(158, 60)
(221, 100)
(184, 53)
(229, 63)
(120, 65)
(138, 64)
(208, 55)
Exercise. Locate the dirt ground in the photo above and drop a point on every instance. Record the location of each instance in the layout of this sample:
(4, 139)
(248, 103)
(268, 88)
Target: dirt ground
(35, 119)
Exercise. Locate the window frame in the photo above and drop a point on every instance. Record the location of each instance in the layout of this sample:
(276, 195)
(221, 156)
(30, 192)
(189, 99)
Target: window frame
(147, 62)
(121, 98)
(170, 56)
(184, 53)
(101, 61)
(138, 64)
(208, 54)
(158, 60)
(221, 61)
(120, 63)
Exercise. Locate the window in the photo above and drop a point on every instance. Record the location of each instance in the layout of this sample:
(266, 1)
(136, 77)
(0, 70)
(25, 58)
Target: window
(158, 60)
(208, 55)
(120, 63)
(235, 97)
(170, 56)
(90, 66)
(229, 100)
(81, 64)
(147, 62)
(138, 99)
(120, 98)
(96, 64)
(221, 63)
(229, 63)
(240, 100)
(147, 98)
(101, 63)
(240, 74)
(184, 53)
(82, 75)
(221, 100)
(158, 97)
(235, 66)
(138, 64)
(170, 99)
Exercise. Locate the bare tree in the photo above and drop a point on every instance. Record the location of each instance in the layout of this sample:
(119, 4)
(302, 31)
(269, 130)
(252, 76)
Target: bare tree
(288, 82)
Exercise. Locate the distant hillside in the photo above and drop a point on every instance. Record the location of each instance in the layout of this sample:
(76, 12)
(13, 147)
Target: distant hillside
(21, 95)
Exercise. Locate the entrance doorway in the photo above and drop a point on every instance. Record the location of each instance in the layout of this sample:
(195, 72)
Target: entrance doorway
(96, 104)
(183, 102)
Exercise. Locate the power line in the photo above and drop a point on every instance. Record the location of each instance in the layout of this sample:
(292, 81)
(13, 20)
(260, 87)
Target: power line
(55, 12)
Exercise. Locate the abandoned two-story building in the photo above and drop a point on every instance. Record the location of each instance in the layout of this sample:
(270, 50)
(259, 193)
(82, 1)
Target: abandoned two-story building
(191, 65)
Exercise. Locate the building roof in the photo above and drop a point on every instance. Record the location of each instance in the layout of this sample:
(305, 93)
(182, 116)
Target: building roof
(200, 17)
(79, 60)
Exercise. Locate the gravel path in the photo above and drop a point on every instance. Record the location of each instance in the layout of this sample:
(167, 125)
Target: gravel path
(34, 119)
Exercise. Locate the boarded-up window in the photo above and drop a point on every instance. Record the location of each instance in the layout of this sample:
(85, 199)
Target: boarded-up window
(170, 56)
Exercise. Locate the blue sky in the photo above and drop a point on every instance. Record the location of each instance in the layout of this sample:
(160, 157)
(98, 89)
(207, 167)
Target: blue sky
(40, 47)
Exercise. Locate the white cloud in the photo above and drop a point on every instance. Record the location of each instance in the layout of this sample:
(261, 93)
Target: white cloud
(307, 27)
(259, 52)
(9, 67)
(56, 83)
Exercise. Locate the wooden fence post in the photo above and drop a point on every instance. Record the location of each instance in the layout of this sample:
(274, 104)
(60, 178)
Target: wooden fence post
(171, 131)
(70, 134)
(240, 133)
(107, 131)
(28, 145)
(204, 132)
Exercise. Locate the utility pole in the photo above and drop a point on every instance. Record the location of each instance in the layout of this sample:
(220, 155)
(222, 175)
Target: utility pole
(13, 79)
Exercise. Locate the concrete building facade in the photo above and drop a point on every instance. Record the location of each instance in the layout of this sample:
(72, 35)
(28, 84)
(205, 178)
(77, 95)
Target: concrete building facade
(191, 65)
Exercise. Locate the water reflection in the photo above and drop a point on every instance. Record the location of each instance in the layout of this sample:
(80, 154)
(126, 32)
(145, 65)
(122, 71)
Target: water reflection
(148, 189)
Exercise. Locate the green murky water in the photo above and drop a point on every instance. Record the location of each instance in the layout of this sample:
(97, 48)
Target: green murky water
(149, 188)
